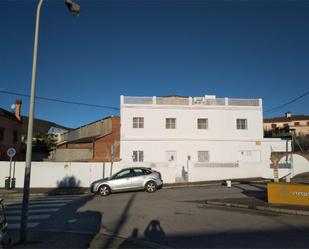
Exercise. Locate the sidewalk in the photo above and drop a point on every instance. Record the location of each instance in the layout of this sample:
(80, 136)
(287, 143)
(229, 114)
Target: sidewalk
(72, 191)
(258, 202)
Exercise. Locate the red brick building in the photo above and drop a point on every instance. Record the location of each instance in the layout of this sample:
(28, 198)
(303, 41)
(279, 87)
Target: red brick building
(10, 131)
(92, 142)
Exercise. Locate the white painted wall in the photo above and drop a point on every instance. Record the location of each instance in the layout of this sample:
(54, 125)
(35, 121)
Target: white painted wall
(222, 138)
(221, 122)
(51, 174)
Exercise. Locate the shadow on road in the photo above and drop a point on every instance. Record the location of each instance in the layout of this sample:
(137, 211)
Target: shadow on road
(68, 185)
(68, 227)
(260, 194)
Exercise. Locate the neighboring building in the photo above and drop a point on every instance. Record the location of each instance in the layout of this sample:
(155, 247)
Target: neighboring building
(10, 131)
(91, 142)
(280, 125)
(205, 131)
(42, 140)
(54, 133)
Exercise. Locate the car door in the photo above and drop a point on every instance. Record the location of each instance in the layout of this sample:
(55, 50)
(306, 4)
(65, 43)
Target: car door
(138, 178)
(122, 180)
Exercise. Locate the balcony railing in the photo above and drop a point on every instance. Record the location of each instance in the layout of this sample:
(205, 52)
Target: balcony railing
(188, 101)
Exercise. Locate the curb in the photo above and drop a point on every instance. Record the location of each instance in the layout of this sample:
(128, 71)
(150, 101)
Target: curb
(259, 208)
(18, 194)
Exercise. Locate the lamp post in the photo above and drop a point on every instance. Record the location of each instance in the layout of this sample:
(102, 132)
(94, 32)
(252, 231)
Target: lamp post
(74, 9)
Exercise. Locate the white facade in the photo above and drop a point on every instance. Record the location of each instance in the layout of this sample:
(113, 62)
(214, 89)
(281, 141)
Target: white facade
(166, 130)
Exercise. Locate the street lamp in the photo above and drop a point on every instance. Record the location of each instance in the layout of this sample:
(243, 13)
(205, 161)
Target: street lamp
(74, 9)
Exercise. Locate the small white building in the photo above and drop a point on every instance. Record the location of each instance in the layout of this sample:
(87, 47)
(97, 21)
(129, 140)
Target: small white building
(196, 133)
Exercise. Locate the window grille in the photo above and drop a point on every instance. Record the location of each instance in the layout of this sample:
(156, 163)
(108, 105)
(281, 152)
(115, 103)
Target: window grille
(241, 124)
(202, 123)
(170, 123)
(138, 156)
(138, 122)
(203, 156)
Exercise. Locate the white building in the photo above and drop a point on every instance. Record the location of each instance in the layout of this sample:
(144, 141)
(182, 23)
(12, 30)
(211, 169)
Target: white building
(200, 132)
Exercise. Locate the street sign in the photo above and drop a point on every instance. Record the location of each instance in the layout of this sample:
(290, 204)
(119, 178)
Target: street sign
(113, 150)
(11, 152)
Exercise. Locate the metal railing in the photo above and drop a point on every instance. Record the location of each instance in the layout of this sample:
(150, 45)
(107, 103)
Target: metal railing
(243, 102)
(216, 165)
(185, 101)
(138, 100)
(172, 101)
(203, 101)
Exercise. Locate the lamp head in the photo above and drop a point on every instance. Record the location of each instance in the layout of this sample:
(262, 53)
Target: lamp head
(73, 7)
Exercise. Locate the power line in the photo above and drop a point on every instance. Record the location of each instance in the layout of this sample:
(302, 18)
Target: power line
(287, 103)
(61, 101)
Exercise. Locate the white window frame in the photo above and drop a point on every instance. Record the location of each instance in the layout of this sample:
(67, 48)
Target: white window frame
(241, 124)
(203, 156)
(202, 125)
(138, 122)
(170, 123)
(138, 156)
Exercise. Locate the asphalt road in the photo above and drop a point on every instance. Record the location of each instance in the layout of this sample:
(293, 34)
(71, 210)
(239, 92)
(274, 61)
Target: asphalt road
(175, 218)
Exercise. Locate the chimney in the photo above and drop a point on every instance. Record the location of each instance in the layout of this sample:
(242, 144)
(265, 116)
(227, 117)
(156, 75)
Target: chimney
(288, 114)
(18, 109)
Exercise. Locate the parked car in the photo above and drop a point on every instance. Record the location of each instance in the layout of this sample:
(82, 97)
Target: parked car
(129, 179)
(3, 222)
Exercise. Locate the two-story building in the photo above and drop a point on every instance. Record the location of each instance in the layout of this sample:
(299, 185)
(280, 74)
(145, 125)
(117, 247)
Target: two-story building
(299, 124)
(10, 131)
(207, 131)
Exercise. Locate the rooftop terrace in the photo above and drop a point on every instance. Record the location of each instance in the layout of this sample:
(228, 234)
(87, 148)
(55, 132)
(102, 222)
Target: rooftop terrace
(207, 100)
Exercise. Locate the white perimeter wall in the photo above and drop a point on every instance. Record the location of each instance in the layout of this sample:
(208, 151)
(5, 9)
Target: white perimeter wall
(55, 174)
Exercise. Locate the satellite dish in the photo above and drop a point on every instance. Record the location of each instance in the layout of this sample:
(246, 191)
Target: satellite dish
(13, 106)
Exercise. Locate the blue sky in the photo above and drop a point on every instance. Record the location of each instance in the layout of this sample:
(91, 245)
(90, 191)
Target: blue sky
(240, 49)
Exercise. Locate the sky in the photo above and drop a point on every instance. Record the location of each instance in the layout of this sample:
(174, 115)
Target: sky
(237, 49)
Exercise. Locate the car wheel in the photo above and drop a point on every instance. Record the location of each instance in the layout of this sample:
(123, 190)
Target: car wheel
(104, 190)
(151, 187)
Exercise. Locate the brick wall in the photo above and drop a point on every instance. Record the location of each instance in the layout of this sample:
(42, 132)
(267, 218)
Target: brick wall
(102, 146)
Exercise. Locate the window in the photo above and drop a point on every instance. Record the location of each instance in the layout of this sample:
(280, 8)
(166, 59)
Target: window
(1, 134)
(273, 126)
(170, 123)
(285, 125)
(241, 124)
(138, 122)
(171, 155)
(124, 174)
(138, 156)
(202, 123)
(296, 123)
(15, 137)
(139, 172)
(203, 156)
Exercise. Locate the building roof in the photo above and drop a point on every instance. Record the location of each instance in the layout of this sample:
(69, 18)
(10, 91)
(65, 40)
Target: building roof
(40, 126)
(285, 119)
(9, 115)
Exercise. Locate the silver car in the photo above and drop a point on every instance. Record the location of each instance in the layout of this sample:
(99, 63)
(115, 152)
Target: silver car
(129, 179)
